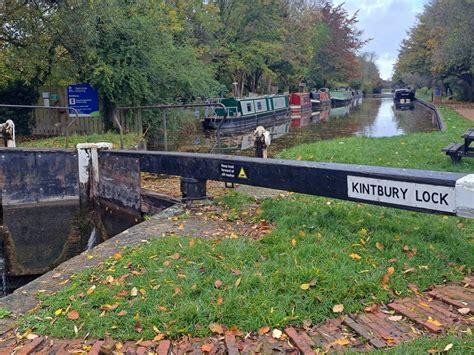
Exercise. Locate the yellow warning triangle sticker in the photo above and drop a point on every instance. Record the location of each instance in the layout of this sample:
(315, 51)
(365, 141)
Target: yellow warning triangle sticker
(242, 174)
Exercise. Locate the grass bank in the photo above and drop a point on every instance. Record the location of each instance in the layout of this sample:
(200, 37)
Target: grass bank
(322, 252)
(129, 140)
(416, 150)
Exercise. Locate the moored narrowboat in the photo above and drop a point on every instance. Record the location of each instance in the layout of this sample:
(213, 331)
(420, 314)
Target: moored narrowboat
(300, 105)
(340, 97)
(248, 112)
(320, 98)
(404, 98)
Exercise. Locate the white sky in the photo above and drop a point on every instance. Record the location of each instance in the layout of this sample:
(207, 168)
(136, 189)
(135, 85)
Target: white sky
(386, 22)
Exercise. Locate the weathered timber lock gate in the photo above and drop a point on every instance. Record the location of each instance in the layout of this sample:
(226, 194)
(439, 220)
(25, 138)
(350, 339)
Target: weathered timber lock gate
(410, 189)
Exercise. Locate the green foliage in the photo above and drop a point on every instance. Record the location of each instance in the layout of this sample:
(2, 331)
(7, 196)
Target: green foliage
(17, 93)
(438, 47)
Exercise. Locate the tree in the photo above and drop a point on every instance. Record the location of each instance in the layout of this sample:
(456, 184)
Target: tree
(439, 47)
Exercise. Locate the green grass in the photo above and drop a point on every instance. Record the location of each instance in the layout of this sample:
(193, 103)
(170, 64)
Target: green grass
(130, 139)
(261, 279)
(312, 244)
(461, 345)
(4, 313)
(417, 150)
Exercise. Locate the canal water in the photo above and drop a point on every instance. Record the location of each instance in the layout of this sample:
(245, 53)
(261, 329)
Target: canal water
(369, 117)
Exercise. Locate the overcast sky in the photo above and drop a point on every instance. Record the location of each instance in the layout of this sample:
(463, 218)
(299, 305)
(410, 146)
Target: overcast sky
(386, 22)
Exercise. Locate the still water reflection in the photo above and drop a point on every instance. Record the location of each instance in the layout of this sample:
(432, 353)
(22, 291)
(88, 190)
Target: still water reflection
(370, 117)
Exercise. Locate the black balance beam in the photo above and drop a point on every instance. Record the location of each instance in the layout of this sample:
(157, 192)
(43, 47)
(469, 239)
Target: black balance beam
(418, 190)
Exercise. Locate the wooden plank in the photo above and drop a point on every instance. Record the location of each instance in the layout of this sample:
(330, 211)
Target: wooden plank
(417, 318)
(301, 340)
(230, 343)
(364, 332)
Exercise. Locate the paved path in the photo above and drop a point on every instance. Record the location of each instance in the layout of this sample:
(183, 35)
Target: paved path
(465, 109)
(432, 312)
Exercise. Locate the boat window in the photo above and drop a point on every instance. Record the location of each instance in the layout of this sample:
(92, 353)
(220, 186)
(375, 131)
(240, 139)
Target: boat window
(249, 107)
(259, 105)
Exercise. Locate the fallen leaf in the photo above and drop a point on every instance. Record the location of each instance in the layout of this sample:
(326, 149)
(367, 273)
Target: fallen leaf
(464, 310)
(277, 333)
(363, 232)
(237, 283)
(305, 286)
(192, 242)
(301, 233)
(372, 308)
(217, 283)
(159, 337)
(293, 242)
(448, 347)
(395, 318)
(236, 271)
(134, 292)
(117, 256)
(207, 348)
(219, 300)
(138, 327)
(355, 256)
(434, 322)
(342, 341)
(109, 307)
(91, 289)
(386, 276)
(58, 312)
(109, 279)
(122, 313)
(263, 330)
(175, 256)
(216, 328)
(433, 351)
(234, 331)
(31, 336)
(379, 246)
(73, 315)
(338, 308)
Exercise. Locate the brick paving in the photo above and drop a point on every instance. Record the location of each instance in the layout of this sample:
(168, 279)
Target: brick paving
(426, 313)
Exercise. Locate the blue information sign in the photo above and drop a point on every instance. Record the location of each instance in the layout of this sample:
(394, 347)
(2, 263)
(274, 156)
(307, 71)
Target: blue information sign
(84, 98)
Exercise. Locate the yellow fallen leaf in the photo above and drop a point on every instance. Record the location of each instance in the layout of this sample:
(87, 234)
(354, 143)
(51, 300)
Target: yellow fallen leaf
(293, 242)
(355, 256)
(91, 289)
(237, 283)
(134, 292)
(434, 322)
(379, 246)
(117, 256)
(448, 347)
(342, 341)
(58, 312)
(338, 308)
(159, 337)
(305, 286)
(302, 233)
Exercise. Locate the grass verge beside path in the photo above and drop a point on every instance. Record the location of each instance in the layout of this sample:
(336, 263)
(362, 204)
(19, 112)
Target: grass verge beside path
(323, 252)
(129, 140)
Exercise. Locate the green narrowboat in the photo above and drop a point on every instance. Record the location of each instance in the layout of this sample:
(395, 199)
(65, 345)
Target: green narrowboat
(340, 97)
(249, 112)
